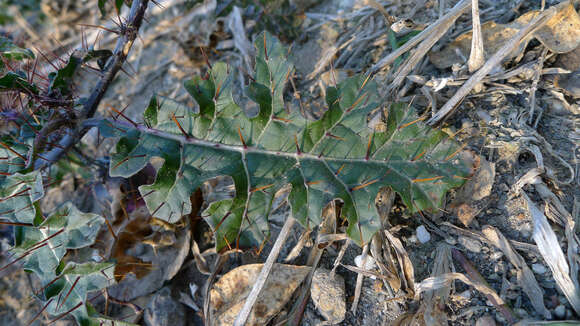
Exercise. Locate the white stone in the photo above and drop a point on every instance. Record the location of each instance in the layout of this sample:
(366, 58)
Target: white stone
(465, 294)
(539, 268)
(422, 234)
(370, 263)
(560, 311)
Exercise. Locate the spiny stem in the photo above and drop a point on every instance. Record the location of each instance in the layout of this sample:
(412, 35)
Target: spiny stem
(128, 34)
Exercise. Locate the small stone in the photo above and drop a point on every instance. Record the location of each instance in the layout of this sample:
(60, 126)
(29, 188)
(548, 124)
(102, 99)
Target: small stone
(422, 234)
(485, 320)
(560, 312)
(539, 268)
(496, 255)
(163, 310)
(329, 295)
(370, 264)
(470, 244)
(465, 294)
(493, 276)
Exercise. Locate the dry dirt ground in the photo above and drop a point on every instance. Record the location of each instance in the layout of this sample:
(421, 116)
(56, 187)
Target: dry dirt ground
(522, 153)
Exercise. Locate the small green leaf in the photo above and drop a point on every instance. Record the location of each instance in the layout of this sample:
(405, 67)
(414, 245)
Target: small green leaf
(101, 5)
(11, 51)
(119, 5)
(17, 81)
(41, 250)
(18, 193)
(62, 79)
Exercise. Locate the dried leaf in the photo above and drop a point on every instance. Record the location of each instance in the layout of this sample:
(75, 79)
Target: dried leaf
(441, 281)
(230, 292)
(407, 271)
(525, 275)
(550, 250)
(560, 34)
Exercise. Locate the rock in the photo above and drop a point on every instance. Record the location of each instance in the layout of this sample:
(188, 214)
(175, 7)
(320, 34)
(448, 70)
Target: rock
(470, 244)
(496, 255)
(370, 263)
(422, 234)
(485, 320)
(539, 268)
(329, 296)
(465, 294)
(164, 311)
(560, 312)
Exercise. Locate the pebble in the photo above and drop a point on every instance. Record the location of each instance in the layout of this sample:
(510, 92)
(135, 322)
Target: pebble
(465, 294)
(485, 320)
(163, 310)
(560, 312)
(539, 268)
(470, 244)
(423, 235)
(496, 255)
(328, 296)
(369, 264)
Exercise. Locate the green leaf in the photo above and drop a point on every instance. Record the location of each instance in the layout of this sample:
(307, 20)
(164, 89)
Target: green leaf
(62, 79)
(13, 158)
(18, 193)
(17, 81)
(119, 5)
(11, 51)
(41, 250)
(337, 157)
(102, 9)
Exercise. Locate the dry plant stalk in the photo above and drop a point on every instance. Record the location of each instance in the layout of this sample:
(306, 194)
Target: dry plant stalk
(477, 55)
(264, 273)
(550, 250)
(493, 62)
(525, 276)
(442, 24)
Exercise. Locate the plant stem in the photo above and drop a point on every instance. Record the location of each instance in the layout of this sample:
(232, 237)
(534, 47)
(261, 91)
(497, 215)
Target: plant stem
(127, 36)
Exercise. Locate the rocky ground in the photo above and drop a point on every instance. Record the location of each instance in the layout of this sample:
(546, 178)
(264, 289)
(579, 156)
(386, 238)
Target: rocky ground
(521, 120)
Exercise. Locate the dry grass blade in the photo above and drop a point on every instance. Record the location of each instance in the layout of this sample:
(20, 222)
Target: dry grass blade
(444, 281)
(493, 62)
(330, 215)
(525, 275)
(264, 273)
(359, 281)
(428, 43)
(476, 278)
(432, 299)
(441, 24)
(295, 252)
(477, 55)
(550, 250)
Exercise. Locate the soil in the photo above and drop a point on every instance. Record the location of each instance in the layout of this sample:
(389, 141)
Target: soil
(489, 123)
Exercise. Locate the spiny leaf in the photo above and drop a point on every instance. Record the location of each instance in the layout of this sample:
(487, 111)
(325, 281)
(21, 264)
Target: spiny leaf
(17, 81)
(41, 250)
(62, 79)
(11, 51)
(18, 193)
(337, 157)
(12, 157)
